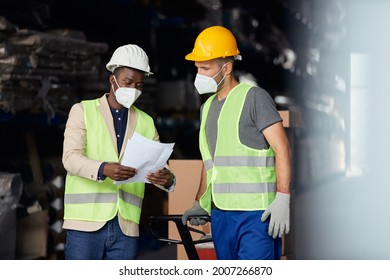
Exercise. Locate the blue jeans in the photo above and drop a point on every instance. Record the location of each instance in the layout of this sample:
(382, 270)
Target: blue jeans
(240, 235)
(108, 243)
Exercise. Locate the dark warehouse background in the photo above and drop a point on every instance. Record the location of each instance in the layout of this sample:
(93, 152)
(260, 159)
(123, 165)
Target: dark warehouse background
(318, 58)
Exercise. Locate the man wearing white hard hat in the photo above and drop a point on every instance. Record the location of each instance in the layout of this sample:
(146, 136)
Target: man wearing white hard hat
(101, 218)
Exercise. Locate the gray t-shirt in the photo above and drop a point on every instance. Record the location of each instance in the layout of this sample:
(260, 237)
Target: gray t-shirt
(258, 113)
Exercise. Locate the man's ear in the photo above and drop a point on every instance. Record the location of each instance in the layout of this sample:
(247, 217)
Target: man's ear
(111, 79)
(229, 67)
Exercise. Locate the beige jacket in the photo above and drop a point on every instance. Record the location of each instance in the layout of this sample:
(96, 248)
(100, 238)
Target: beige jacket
(76, 163)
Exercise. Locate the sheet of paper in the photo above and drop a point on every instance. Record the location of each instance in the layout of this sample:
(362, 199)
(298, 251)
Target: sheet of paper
(146, 156)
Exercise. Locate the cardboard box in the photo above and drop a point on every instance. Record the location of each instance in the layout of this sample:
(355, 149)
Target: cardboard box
(291, 118)
(32, 235)
(188, 173)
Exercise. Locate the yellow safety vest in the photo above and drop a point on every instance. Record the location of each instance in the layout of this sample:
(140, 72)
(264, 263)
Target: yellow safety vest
(89, 200)
(239, 177)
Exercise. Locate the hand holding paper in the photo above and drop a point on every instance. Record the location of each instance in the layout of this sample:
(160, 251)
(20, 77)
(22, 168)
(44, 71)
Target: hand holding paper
(145, 156)
(162, 177)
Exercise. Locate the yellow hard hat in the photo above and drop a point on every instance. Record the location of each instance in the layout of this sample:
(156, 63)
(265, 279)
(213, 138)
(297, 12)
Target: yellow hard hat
(214, 42)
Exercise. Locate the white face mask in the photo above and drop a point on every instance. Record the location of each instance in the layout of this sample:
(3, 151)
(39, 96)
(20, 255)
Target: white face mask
(126, 96)
(205, 84)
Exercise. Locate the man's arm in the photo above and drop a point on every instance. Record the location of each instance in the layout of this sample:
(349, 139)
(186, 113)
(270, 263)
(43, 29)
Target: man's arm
(202, 184)
(277, 138)
(279, 209)
(73, 158)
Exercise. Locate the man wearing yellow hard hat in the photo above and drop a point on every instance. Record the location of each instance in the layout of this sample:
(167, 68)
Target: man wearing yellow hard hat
(245, 184)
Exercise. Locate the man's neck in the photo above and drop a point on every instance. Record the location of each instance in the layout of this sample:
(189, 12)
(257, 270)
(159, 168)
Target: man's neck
(226, 89)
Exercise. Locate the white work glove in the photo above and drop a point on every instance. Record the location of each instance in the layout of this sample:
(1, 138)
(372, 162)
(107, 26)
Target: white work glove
(195, 210)
(279, 210)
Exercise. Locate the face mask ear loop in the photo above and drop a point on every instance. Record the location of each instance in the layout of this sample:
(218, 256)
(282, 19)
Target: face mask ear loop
(116, 81)
(224, 76)
(219, 71)
(113, 89)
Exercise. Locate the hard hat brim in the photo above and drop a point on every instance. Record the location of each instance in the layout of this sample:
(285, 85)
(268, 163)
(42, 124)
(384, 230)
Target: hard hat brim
(112, 68)
(194, 57)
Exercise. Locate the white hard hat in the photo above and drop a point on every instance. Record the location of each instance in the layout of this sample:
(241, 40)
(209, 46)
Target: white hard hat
(129, 56)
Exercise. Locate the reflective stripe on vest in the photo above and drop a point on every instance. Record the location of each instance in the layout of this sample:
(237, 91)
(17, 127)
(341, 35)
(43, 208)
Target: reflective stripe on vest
(239, 161)
(103, 198)
(239, 177)
(90, 200)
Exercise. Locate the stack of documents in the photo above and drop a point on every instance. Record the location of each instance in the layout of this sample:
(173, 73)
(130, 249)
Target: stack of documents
(146, 156)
